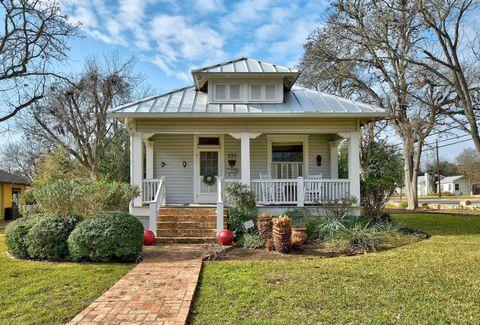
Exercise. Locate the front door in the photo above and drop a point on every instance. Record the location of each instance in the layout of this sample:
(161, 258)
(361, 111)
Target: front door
(209, 170)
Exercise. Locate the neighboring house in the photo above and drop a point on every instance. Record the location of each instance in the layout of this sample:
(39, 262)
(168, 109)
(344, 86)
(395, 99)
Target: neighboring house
(242, 121)
(11, 186)
(457, 185)
(426, 184)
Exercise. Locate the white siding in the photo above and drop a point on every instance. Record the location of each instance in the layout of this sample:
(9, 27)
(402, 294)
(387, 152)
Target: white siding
(173, 149)
(258, 156)
(319, 144)
(232, 146)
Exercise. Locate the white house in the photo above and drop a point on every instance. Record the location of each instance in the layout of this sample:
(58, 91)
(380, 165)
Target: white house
(241, 121)
(457, 185)
(425, 184)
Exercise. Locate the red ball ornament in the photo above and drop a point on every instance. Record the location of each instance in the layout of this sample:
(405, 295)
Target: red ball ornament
(148, 237)
(225, 237)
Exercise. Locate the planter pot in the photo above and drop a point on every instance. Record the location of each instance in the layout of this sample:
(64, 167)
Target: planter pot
(300, 233)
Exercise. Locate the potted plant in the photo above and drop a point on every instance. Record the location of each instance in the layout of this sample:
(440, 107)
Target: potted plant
(299, 218)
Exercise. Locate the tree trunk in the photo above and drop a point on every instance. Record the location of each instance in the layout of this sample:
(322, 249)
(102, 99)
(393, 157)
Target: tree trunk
(411, 181)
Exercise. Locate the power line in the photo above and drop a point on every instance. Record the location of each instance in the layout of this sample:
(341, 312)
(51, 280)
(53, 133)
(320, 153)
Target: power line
(448, 144)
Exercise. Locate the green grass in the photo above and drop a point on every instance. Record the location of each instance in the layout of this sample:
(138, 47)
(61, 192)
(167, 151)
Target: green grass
(50, 293)
(435, 281)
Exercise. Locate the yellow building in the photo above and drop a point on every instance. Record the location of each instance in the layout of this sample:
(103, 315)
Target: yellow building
(11, 186)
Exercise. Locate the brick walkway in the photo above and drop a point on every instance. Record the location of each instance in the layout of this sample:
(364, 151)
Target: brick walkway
(159, 290)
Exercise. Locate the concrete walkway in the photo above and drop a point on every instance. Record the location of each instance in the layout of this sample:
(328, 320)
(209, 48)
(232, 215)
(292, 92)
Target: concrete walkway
(159, 290)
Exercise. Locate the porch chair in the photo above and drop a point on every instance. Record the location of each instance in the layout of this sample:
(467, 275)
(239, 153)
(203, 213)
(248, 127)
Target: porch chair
(313, 190)
(270, 192)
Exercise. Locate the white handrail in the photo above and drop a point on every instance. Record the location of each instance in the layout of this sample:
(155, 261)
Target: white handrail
(220, 205)
(158, 201)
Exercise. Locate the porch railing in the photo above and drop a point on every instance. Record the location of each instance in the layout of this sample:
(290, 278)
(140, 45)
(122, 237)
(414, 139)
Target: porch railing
(157, 201)
(298, 191)
(287, 170)
(149, 189)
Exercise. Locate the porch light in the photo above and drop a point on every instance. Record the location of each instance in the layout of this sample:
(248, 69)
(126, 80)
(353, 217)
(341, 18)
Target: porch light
(319, 160)
(162, 164)
(184, 164)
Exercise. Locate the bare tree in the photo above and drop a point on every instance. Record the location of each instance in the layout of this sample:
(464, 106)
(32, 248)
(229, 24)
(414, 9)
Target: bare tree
(33, 39)
(75, 116)
(469, 165)
(448, 54)
(363, 51)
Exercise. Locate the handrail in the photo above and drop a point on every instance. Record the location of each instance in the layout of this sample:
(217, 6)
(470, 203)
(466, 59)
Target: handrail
(158, 201)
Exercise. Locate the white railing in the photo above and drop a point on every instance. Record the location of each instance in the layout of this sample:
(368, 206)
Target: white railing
(220, 205)
(322, 190)
(158, 200)
(149, 189)
(287, 170)
(297, 191)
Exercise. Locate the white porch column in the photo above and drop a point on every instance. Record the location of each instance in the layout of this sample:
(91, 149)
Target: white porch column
(136, 164)
(354, 164)
(333, 159)
(148, 158)
(245, 153)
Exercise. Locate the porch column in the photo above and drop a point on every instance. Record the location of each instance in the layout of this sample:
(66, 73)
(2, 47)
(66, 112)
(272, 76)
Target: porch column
(136, 164)
(148, 158)
(333, 159)
(245, 153)
(354, 164)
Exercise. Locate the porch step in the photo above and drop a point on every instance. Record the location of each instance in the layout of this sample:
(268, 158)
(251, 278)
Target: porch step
(185, 240)
(187, 224)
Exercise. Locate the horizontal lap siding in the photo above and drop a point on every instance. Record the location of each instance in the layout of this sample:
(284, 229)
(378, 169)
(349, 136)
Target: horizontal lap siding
(173, 150)
(232, 146)
(319, 144)
(258, 156)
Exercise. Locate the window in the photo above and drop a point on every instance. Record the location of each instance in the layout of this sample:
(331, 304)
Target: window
(208, 141)
(287, 152)
(457, 187)
(263, 93)
(227, 92)
(208, 163)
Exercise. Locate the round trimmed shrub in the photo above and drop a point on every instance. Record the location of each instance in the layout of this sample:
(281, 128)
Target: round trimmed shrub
(47, 239)
(16, 236)
(107, 236)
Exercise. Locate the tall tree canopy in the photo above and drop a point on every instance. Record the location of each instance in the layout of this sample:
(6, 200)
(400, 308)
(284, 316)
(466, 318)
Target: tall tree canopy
(33, 40)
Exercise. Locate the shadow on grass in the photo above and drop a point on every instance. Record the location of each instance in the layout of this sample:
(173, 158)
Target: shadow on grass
(441, 224)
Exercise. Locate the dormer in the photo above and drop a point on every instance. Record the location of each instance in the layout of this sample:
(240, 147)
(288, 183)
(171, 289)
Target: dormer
(245, 81)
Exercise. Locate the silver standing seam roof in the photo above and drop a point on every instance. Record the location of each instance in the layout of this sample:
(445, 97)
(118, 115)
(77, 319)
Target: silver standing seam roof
(298, 101)
(245, 65)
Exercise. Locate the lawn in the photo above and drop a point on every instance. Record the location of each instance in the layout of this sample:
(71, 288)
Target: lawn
(50, 293)
(433, 281)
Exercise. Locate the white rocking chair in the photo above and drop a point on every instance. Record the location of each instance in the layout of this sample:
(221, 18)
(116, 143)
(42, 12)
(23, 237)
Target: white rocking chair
(313, 190)
(270, 192)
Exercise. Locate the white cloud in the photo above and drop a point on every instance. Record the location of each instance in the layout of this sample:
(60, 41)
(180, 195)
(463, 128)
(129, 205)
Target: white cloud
(209, 6)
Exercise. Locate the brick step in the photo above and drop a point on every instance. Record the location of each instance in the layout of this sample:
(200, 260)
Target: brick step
(179, 218)
(186, 232)
(187, 211)
(185, 240)
(186, 225)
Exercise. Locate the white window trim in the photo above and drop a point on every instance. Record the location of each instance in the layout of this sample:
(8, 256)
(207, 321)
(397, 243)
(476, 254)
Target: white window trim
(245, 91)
(263, 84)
(285, 139)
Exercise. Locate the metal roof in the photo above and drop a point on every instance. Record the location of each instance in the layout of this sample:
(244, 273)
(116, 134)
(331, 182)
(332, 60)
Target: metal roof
(245, 65)
(189, 102)
(9, 178)
(451, 179)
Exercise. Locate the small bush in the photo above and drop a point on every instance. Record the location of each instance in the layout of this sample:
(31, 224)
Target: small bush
(242, 206)
(403, 205)
(364, 238)
(107, 236)
(311, 225)
(47, 238)
(299, 216)
(330, 229)
(253, 241)
(16, 234)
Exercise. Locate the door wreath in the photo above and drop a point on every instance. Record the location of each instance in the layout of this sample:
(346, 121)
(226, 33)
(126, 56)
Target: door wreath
(209, 179)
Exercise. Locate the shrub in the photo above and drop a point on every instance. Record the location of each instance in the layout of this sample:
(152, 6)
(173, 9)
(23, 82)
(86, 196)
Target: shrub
(82, 197)
(47, 238)
(338, 208)
(364, 238)
(107, 236)
(16, 234)
(299, 216)
(253, 241)
(242, 206)
(330, 229)
(403, 205)
(311, 225)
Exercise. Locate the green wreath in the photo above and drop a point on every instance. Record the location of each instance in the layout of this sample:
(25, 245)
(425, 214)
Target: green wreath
(209, 179)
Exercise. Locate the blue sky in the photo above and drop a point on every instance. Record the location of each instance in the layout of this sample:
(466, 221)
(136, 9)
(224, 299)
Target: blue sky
(169, 38)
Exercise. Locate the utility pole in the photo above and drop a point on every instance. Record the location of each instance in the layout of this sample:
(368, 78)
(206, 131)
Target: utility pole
(438, 171)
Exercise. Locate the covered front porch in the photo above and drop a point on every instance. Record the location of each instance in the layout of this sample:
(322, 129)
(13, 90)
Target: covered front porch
(281, 169)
